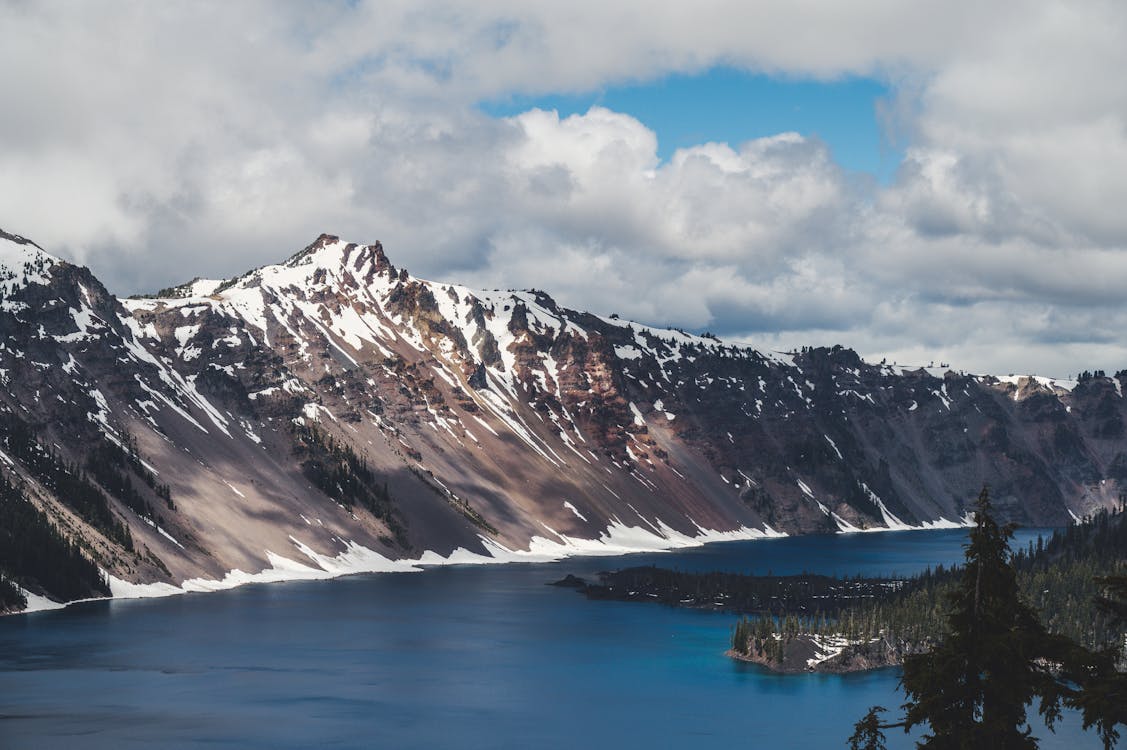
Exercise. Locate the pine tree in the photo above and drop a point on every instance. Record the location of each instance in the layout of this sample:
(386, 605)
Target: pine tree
(1114, 603)
(974, 688)
(867, 734)
(1103, 688)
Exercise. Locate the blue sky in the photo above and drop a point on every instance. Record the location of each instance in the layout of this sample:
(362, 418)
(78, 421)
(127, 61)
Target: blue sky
(733, 106)
(365, 119)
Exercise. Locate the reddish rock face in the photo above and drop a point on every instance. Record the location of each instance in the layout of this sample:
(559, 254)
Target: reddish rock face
(260, 401)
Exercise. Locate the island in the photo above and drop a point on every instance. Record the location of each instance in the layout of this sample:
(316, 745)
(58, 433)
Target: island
(817, 623)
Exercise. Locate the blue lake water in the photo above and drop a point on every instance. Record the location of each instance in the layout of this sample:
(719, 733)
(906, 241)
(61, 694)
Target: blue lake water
(466, 657)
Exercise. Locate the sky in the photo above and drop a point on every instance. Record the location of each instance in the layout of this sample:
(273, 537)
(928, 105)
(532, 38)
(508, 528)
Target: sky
(926, 181)
(728, 105)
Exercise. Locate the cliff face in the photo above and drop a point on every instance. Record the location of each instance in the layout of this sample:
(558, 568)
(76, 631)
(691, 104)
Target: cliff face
(334, 404)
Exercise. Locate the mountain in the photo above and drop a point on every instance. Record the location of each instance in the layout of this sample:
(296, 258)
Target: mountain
(334, 413)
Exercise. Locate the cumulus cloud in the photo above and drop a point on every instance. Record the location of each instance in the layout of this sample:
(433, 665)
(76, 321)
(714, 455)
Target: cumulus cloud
(154, 142)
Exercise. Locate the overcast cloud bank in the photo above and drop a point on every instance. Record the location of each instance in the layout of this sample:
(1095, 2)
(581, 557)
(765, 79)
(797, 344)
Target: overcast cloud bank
(154, 141)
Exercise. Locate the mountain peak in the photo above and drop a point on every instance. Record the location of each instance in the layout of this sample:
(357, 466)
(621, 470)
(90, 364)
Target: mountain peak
(329, 256)
(17, 239)
(22, 260)
(323, 242)
(326, 256)
(329, 251)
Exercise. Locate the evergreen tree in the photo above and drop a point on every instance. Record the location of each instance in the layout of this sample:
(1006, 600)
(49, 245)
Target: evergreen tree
(1103, 688)
(973, 689)
(1114, 602)
(867, 734)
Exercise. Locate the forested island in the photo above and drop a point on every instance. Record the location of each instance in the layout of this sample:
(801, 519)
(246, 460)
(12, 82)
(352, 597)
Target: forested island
(806, 622)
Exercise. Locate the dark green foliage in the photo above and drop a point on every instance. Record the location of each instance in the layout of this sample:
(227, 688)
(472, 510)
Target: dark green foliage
(1046, 623)
(119, 485)
(1096, 686)
(33, 552)
(228, 284)
(67, 483)
(1058, 578)
(335, 469)
(10, 596)
(802, 594)
(867, 734)
(758, 635)
(111, 465)
(1086, 376)
(741, 636)
(1062, 580)
(1113, 603)
(473, 516)
(1103, 698)
(973, 688)
(129, 457)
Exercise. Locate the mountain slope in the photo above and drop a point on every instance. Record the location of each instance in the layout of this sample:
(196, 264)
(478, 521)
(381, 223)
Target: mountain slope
(336, 405)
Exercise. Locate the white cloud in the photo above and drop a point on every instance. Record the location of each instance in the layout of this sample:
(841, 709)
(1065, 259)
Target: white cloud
(156, 141)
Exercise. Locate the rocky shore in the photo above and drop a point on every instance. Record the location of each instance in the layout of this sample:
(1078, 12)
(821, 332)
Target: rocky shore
(827, 654)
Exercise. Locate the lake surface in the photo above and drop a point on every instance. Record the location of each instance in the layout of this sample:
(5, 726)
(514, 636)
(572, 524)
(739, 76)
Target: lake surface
(466, 657)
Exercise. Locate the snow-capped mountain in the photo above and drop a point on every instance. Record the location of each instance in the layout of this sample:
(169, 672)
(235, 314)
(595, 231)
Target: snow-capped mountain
(335, 413)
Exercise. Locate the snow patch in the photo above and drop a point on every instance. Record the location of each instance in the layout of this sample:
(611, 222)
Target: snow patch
(37, 603)
(617, 539)
(575, 510)
(834, 446)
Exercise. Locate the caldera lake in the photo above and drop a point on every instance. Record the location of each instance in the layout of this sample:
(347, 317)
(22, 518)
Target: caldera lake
(459, 657)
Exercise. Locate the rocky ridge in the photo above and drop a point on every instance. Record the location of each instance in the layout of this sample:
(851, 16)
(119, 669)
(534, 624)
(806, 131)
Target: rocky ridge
(334, 413)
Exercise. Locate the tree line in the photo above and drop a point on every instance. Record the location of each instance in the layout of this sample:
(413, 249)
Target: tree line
(995, 657)
(67, 481)
(334, 468)
(979, 641)
(1061, 578)
(111, 466)
(36, 555)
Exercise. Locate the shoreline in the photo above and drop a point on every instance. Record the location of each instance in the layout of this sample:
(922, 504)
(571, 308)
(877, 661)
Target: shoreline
(812, 654)
(616, 540)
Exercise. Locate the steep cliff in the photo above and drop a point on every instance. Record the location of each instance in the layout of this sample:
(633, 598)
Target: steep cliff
(336, 411)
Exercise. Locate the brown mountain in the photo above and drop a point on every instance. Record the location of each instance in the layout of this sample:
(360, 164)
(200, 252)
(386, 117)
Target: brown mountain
(334, 411)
